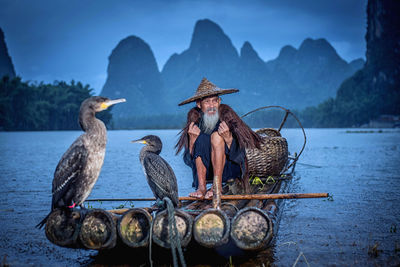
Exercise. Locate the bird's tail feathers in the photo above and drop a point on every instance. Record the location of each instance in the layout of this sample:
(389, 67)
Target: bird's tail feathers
(43, 222)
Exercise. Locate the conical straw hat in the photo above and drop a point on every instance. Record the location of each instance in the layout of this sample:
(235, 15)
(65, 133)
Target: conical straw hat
(205, 89)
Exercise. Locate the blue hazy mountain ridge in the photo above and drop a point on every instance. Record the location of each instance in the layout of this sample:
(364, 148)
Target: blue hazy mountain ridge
(6, 65)
(133, 74)
(312, 73)
(260, 83)
(297, 78)
(211, 54)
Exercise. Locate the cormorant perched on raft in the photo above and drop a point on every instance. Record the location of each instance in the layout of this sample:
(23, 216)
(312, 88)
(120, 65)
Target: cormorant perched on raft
(79, 168)
(159, 174)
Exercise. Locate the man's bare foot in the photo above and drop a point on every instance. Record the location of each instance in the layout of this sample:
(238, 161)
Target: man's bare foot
(197, 194)
(209, 193)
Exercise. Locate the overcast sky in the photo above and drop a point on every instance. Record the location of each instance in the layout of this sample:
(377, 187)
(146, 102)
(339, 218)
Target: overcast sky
(71, 39)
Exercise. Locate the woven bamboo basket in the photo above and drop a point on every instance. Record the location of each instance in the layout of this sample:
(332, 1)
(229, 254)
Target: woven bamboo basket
(271, 158)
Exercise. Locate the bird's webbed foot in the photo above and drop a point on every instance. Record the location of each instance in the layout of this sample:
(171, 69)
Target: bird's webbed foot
(72, 206)
(75, 206)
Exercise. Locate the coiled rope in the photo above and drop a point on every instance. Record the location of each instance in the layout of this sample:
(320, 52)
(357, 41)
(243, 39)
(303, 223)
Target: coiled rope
(174, 239)
(151, 241)
(173, 234)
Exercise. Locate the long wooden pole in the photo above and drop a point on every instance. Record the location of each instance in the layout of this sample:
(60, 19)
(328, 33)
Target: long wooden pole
(276, 196)
(229, 197)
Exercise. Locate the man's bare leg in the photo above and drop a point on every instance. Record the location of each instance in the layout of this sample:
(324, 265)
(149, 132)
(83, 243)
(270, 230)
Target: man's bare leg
(217, 159)
(201, 174)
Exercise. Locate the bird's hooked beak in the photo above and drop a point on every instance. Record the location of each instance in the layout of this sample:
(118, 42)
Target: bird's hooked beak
(140, 141)
(108, 103)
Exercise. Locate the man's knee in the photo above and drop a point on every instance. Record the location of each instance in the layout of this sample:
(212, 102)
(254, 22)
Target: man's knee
(216, 140)
(199, 162)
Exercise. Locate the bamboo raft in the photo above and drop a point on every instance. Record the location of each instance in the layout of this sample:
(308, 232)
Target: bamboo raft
(248, 220)
(247, 217)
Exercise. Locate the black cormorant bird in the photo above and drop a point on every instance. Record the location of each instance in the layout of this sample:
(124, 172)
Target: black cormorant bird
(159, 174)
(79, 168)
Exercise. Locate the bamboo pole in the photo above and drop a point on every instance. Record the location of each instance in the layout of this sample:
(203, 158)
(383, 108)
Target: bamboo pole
(230, 197)
(62, 227)
(276, 196)
(211, 228)
(184, 224)
(251, 229)
(98, 230)
(134, 227)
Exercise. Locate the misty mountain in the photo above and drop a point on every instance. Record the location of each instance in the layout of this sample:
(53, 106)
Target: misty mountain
(295, 79)
(357, 64)
(312, 73)
(211, 54)
(133, 74)
(6, 65)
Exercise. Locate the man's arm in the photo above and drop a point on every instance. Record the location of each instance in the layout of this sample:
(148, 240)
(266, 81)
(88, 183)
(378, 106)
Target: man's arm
(193, 132)
(225, 133)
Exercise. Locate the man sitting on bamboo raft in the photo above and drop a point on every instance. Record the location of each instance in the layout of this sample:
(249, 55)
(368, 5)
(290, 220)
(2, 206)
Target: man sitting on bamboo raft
(214, 139)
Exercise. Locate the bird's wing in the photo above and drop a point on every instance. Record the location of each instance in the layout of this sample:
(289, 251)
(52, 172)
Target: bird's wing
(173, 186)
(68, 169)
(161, 177)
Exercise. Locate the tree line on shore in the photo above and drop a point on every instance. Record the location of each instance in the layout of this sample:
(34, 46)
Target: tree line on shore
(28, 106)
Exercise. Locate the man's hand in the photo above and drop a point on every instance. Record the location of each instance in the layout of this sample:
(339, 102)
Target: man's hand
(223, 131)
(193, 132)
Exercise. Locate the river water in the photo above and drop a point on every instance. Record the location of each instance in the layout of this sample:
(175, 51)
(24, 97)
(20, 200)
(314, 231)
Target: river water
(358, 225)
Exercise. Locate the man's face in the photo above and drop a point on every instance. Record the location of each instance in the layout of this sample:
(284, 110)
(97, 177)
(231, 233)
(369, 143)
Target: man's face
(209, 105)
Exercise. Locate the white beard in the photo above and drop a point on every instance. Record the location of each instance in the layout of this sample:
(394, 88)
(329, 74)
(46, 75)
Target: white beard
(209, 122)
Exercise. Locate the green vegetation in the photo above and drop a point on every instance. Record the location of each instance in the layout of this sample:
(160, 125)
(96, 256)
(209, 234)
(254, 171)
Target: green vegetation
(359, 99)
(352, 106)
(32, 107)
(128, 204)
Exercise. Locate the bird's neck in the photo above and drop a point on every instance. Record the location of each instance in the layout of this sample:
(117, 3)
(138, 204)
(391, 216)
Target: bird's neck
(151, 149)
(93, 126)
(146, 150)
